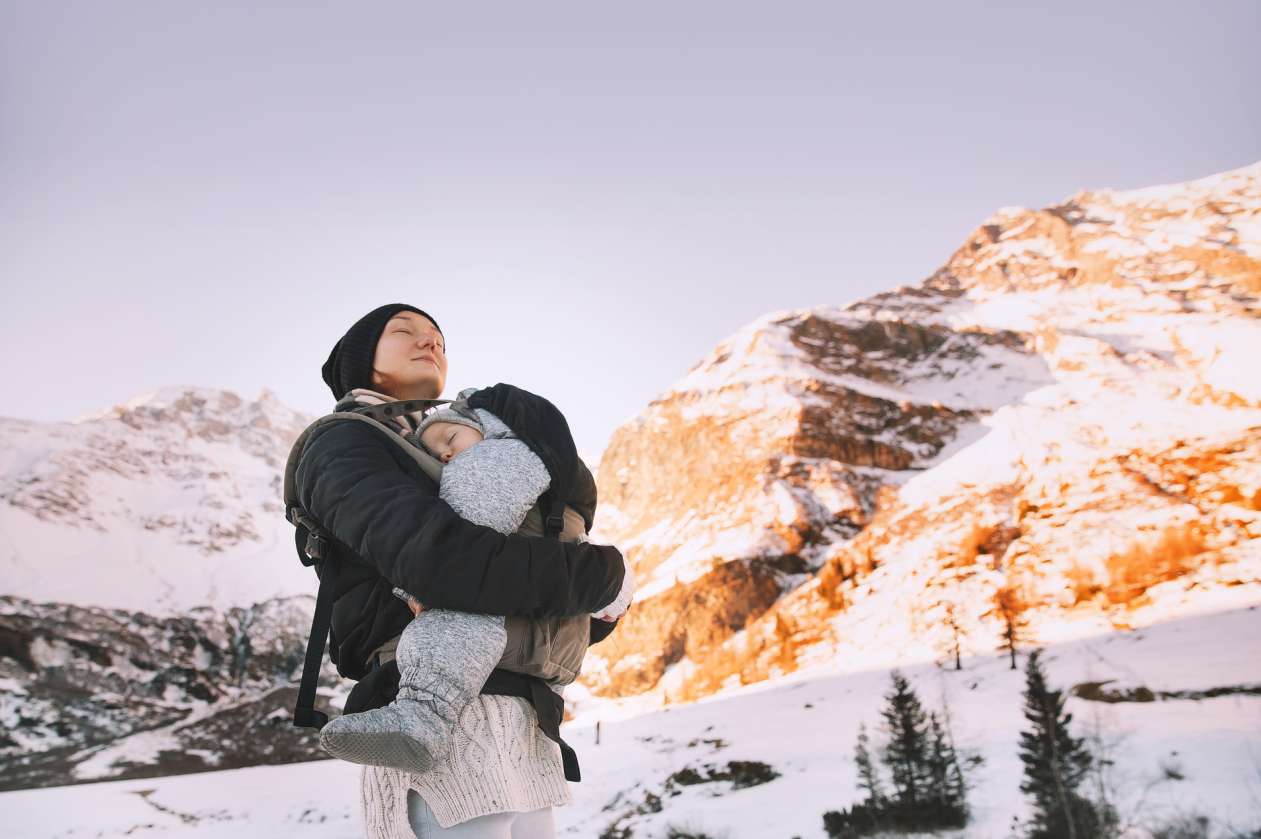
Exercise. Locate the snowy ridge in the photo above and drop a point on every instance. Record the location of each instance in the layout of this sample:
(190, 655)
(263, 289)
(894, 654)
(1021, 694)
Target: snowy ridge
(169, 501)
(1066, 407)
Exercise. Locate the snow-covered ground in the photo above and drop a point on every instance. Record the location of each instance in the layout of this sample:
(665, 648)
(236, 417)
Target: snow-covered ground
(804, 727)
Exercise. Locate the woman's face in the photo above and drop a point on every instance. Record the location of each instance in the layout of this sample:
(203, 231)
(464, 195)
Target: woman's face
(411, 359)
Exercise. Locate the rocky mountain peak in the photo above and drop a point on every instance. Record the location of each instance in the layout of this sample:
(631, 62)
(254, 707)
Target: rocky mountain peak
(206, 413)
(833, 468)
(156, 486)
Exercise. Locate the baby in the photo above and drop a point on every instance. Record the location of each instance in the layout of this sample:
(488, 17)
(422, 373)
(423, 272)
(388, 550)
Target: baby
(444, 440)
(490, 477)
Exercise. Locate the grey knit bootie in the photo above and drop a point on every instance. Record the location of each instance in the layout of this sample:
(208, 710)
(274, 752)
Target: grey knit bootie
(444, 658)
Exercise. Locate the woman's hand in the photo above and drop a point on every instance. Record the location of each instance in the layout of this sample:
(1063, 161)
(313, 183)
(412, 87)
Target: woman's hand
(412, 602)
(622, 602)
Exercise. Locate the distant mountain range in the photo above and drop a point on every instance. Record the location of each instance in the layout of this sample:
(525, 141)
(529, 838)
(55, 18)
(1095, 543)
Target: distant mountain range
(1056, 434)
(168, 502)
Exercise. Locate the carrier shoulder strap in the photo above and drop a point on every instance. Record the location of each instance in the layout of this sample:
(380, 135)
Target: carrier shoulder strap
(553, 508)
(375, 416)
(314, 543)
(322, 621)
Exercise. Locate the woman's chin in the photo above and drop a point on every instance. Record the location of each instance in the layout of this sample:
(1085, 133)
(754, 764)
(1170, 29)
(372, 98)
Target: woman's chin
(425, 387)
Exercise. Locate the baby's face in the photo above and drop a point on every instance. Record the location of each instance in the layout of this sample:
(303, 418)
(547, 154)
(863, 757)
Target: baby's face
(447, 439)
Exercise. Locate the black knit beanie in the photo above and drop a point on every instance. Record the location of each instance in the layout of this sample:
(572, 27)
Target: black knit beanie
(349, 365)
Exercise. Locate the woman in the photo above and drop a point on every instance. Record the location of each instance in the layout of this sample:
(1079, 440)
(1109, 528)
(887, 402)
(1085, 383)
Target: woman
(504, 775)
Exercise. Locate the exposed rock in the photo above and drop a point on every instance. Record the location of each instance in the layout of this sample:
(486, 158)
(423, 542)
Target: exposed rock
(87, 694)
(1067, 408)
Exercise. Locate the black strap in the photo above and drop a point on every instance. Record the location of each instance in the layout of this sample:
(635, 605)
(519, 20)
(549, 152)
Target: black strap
(554, 509)
(304, 713)
(549, 708)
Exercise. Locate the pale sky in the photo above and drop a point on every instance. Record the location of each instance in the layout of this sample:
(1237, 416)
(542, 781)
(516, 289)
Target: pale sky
(587, 196)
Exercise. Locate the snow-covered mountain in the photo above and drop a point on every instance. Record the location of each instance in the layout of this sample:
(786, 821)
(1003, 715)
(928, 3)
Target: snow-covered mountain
(168, 502)
(153, 612)
(1058, 432)
(1067, 410)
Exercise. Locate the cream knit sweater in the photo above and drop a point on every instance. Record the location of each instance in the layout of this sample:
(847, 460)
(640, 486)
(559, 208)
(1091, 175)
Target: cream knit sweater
(500, 761)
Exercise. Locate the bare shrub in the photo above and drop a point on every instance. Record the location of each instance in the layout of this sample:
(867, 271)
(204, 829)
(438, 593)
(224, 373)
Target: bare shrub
(1083, 583)
(1145, 564)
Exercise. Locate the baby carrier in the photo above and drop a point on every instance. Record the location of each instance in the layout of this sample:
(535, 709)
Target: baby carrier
(530, 640)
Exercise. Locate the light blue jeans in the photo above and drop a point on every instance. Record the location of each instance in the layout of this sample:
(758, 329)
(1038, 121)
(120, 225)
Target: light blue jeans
(536, 824)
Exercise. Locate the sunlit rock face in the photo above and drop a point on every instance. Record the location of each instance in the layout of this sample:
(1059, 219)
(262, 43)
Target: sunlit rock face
(1066, 411)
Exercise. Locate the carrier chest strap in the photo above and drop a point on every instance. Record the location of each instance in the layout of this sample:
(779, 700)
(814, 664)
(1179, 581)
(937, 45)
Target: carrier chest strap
(387, 411)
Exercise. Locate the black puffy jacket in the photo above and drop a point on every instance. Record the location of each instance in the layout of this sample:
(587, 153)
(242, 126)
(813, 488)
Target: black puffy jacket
(392, 529)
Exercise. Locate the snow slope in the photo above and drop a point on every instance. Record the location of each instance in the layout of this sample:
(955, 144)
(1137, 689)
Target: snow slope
(803, 727)
(168, 502)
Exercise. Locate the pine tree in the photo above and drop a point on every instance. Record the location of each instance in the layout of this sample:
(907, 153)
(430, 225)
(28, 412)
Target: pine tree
(948, 794)
(1010, 607)
(951, 645)
(1055, 764)
(868, 775)
(906, 753)
(929, 791)
(955, 642)
(958, 784)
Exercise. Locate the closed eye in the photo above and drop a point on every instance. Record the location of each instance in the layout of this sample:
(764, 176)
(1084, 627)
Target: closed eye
(437, 342)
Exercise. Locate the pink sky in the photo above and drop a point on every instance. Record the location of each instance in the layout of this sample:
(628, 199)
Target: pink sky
(587, 197)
